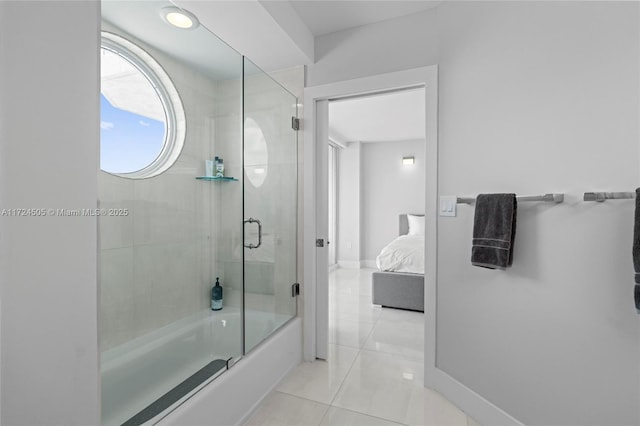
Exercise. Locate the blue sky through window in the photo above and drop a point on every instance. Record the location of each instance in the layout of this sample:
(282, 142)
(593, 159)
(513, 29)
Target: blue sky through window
(128, 142)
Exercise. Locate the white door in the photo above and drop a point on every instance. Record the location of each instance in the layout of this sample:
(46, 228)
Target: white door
(332, 162)
(316, 306)
(322, 228)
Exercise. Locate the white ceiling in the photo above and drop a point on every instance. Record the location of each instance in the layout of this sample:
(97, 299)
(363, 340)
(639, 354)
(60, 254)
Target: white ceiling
(389, 117)
(328, 16)
(198, 48)
(286, 29)
(395, 116)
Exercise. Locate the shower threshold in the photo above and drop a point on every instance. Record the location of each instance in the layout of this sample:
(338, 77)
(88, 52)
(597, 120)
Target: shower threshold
(177, 393)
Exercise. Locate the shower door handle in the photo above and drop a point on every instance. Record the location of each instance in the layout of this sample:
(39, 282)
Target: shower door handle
(256, 221)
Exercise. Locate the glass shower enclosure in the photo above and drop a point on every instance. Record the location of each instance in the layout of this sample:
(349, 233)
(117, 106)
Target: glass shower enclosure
(198, 181)
(270, 205)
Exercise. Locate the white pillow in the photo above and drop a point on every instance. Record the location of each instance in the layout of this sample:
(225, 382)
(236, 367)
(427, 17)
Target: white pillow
(416, 224)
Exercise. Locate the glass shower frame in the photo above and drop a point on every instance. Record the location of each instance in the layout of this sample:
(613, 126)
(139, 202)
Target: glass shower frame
(270, 147)
(212, 215)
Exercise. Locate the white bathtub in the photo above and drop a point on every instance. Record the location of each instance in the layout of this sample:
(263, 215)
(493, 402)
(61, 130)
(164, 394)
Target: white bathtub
(138, 372)
(232, 397)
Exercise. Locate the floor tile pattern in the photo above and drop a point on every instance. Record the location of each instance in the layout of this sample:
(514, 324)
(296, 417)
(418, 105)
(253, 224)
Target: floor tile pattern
(374, 372)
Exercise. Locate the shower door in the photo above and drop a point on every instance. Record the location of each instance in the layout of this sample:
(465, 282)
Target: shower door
(270, 205)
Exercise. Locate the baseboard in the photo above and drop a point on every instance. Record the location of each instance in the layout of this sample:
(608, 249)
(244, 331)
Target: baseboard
(349, 264)
(333, 267)
(369, 263)
(473, 404)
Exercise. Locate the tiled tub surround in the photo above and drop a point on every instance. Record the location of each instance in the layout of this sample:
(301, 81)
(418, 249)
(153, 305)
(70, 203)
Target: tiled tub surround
(140, 371)
(137, 373)
(159, 262)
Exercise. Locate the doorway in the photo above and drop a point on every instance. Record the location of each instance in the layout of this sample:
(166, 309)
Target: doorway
(375, 136)
(316, 190)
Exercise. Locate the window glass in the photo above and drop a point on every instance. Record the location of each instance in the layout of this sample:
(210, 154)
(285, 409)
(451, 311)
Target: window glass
(137, 112)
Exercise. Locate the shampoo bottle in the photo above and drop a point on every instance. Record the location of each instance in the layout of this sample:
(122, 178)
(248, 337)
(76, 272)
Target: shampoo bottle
(216, 296)
(219, 167)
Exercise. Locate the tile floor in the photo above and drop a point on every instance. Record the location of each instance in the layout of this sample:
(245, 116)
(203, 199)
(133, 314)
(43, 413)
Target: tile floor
(374, 374)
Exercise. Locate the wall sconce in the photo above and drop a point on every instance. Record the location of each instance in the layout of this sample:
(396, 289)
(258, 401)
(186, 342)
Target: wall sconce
(408, 161)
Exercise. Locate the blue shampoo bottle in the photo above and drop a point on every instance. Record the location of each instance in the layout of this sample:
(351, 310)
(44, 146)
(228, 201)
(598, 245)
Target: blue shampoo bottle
(216, 296)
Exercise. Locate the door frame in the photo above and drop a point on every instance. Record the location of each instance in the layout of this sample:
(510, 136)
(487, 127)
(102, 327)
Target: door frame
(426, 77)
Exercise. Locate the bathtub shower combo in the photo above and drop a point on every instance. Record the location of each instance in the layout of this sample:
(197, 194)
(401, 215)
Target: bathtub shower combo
(199, 176)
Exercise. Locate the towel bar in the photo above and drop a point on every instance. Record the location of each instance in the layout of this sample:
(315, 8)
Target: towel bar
(548, 198)
(601, 196)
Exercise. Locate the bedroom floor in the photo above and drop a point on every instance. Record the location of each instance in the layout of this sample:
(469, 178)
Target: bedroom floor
(374, 374)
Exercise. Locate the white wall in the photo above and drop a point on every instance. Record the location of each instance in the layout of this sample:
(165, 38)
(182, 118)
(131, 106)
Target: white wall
(49, 123)
(397, 44)
(348, 205)
(540, 97)
(388, 190)
(373, 189)
(534, 97)
(272, 35)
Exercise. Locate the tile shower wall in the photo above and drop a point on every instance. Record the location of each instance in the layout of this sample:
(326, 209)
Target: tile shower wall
(226, 213)
(158, 263)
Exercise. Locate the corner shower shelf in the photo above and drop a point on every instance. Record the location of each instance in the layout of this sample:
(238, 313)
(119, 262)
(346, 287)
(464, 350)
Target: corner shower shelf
(218, 178)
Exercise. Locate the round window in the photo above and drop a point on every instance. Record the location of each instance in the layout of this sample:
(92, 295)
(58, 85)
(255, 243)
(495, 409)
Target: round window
(142, 122)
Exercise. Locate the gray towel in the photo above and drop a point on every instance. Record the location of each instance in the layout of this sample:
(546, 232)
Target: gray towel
(494, 230)
(636, 251)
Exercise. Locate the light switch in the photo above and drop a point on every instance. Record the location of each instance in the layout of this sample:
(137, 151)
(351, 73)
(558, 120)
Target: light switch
(448, 205)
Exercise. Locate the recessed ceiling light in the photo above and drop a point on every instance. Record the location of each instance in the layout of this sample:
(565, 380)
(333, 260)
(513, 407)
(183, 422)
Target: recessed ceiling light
(179, 17)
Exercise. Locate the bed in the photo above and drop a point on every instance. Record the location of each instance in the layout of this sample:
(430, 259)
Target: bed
(397, 289)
